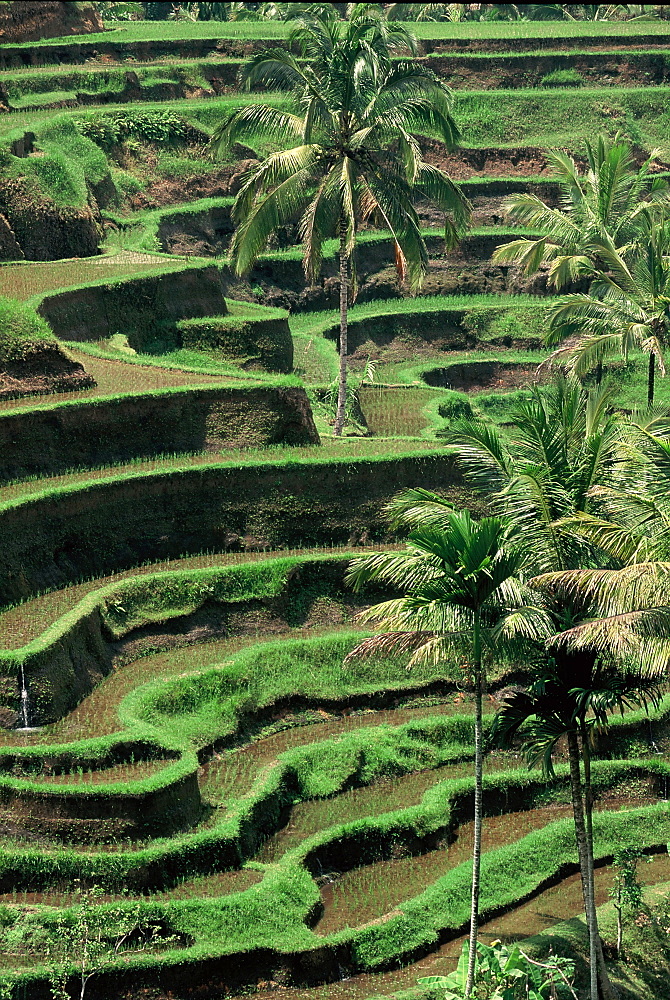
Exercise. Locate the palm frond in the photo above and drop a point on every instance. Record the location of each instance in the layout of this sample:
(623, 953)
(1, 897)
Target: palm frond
(254, 123)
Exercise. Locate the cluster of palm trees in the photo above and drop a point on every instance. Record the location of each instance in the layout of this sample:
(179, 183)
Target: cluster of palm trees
(570, 575)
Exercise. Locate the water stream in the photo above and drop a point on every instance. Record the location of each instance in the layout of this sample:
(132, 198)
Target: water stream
(24, 713)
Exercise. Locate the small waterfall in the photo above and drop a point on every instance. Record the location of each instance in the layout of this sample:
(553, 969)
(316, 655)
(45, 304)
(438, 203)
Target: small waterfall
(25, 704)
(343, 973)
(654, 745)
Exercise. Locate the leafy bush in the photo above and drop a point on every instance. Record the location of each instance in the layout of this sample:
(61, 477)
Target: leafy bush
(455, 408)
(160, 125)
(505, 973)
(562, 78)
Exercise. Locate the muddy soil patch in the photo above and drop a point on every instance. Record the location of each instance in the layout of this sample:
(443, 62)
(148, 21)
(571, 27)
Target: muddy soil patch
(598, 69)
(488, 161)
(43, 371)
(478, 376)
(31, 20)
(226, 180)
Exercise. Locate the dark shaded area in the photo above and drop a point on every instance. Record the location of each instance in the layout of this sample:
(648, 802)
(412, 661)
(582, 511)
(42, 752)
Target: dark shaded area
(109, 525)
(108, 431)
(476, 376)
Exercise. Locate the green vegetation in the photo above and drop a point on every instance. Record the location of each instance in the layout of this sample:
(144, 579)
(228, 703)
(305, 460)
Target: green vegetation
(209, 787)
(562, 78)
(22, 331)
(146, 31)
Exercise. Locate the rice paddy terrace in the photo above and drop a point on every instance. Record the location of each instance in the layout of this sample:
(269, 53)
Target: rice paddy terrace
(177, 726)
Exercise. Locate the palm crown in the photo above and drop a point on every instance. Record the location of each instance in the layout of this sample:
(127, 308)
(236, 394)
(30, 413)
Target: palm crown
(628, 305)
(599, 208)
(565, 441)
(356, 156)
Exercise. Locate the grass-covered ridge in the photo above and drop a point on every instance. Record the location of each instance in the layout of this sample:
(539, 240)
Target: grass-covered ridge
(118, 32)
(22, 331)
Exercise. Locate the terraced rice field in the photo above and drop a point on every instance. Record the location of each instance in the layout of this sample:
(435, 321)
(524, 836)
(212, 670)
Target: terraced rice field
(178, 728)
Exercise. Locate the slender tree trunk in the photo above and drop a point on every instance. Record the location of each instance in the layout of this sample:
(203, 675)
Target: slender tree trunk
(619, 928)
(582, 851)
(340, 416)
(477, 846)
(604, 985)
(599, 373)
(651, 378)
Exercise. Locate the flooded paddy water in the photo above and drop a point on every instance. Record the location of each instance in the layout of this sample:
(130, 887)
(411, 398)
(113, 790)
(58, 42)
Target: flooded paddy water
(562, 901)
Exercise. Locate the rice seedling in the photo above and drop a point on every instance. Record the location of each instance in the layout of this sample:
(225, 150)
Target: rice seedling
(22, 281)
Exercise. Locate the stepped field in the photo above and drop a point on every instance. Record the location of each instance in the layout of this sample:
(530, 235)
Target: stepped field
(181, 747)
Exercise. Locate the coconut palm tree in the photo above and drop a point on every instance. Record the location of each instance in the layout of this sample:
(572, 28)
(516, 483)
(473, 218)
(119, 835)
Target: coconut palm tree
(456, 573)
(354, 156)
(566, 440)
(628, 304)
(600, 203)
(591, 662)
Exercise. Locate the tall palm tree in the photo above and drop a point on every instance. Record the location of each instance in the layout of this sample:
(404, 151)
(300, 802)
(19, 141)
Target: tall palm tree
(591, 661)
(454, 573)
(628, 305)
(600, 203)
(355, 156)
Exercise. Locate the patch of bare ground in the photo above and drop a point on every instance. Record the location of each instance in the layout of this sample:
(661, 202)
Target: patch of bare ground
(479, 376)
(218, 183)
(47, 370)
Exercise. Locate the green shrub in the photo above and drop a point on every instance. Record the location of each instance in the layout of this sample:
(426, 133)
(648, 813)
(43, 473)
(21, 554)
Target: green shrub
(455, 408)
(22, 331)
(562, 78)
(127, 183)
(152, 125)
(59, 177)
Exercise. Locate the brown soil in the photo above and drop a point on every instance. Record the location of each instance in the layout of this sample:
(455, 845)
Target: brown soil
(213, 184)
(30, 20)
(599, 69)
(36, 228)
(488, 161)
(477, 376)
(45, 371)
(493, 161)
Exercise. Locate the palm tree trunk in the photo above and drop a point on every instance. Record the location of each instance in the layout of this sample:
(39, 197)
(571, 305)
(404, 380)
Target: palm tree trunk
(582, 851)
(340, 415)
(604, 984)
(477, 846)
(650, 378)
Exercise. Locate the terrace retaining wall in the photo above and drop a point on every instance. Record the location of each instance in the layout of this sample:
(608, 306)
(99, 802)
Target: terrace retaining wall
(103, 526)
(43, 441)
